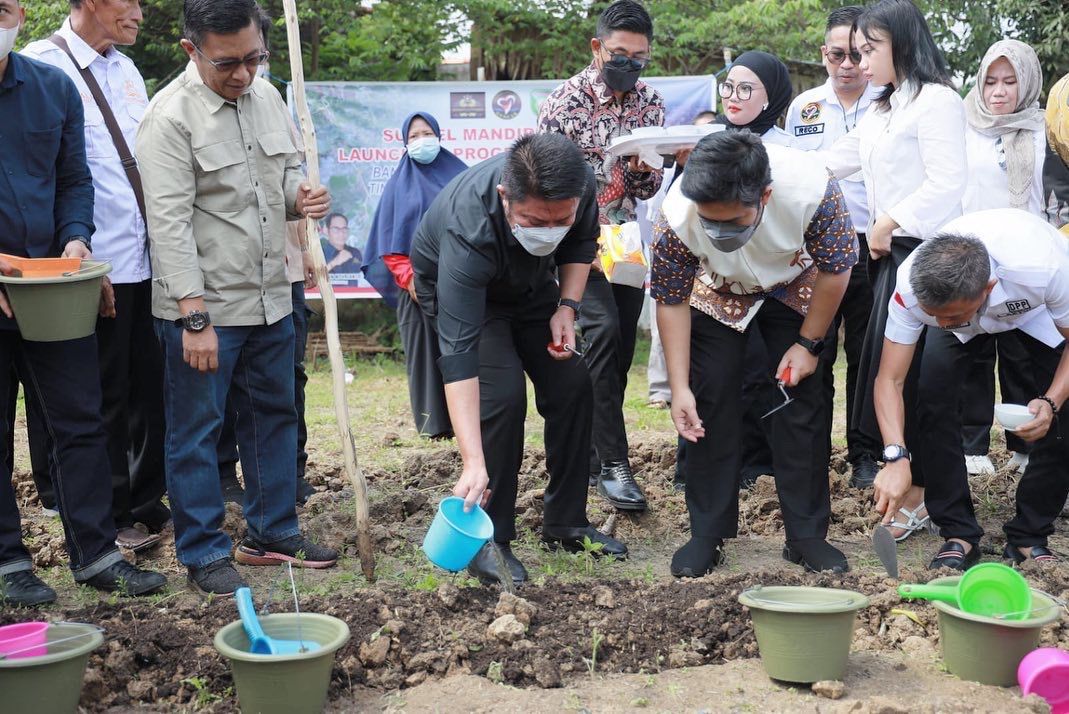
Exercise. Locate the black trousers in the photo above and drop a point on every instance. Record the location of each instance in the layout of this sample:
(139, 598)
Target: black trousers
(1018, 386)
(65, 378)
(883, 274)
(425, 390)
(37, 436)
(131, 378)
(513, 342)
(609, 321)
(1042, 490)
(799, 441)
(853, 319)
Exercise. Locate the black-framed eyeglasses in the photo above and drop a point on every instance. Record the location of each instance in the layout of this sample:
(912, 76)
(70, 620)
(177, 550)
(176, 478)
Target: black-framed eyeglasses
(742, 91)
(837, 56)
(622, 61)
(229, 65)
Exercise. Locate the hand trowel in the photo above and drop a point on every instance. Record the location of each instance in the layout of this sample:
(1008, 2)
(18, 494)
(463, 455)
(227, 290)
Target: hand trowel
(883, 542)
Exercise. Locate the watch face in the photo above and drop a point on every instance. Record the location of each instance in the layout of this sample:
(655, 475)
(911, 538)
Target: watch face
(197, 321)
(892, 453)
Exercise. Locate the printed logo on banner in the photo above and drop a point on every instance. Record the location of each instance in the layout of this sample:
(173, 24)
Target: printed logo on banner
(811, 112)
(538, 96)
(467, 105)
(506, 104)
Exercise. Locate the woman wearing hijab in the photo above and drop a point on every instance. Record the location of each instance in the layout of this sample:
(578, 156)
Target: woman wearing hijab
(421, 174)
(755, 93)
(1005, 143)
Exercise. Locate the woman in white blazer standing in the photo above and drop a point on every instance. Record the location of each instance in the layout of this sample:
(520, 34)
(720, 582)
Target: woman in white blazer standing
(911, 150)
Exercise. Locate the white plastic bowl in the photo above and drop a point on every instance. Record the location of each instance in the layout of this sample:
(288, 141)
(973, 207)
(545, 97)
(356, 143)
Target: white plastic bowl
(1011, 416)
(648, 131)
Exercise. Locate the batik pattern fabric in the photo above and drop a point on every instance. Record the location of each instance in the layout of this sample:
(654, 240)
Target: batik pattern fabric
(829, 246)
(585, 110)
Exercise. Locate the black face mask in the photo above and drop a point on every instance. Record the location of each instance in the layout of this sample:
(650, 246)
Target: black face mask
(621, 73)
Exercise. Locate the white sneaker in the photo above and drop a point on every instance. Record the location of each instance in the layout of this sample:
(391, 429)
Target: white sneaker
(1018, 462)
(979, 466)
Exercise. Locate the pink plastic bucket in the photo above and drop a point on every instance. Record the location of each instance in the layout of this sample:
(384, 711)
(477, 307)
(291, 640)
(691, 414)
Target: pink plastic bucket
(1045, 672)
(26, 639)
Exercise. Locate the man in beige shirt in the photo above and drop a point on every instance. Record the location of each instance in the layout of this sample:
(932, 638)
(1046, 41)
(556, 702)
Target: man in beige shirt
(222, 175)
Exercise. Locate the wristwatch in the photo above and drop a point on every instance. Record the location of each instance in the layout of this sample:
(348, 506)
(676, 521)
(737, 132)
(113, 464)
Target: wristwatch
(895, 452)
(813, 347)
(195, 321)
(575, 305)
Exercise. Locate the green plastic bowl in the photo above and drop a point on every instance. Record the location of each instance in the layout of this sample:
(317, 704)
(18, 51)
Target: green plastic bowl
(803, 633)
(988, 650)
(59, 308)
(285, 683)
(50, 683)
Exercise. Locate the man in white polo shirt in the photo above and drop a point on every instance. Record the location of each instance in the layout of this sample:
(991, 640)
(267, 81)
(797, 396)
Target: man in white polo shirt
(815, 120)
(984, 273)
(85, 47)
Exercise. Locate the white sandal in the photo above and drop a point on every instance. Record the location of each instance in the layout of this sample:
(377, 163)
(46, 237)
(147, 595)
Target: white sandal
(912, 524)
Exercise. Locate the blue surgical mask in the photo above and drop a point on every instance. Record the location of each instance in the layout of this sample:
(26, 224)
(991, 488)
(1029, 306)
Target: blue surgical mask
(425, 149)
(728, 237)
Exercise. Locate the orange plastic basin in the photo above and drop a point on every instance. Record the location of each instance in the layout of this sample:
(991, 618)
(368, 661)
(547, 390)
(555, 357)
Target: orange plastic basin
(43, 267)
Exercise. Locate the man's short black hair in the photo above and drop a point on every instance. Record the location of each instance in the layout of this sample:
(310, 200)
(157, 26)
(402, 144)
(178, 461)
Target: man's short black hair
(843, 17)
(727, 167)
(545, 166)
(332, 216)
(220, 17)
(626, 15)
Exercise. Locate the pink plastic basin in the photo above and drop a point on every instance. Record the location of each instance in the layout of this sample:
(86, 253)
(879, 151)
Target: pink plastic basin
(26, 639)
(1045, 672)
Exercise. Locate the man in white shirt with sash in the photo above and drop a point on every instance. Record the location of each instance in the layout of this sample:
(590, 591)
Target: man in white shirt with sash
(815, 120)
(984, 273)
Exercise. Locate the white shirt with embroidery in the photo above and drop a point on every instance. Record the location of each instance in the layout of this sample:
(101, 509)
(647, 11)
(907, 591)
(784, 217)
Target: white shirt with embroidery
(1030, 262)
(816, 119)
(120, 231)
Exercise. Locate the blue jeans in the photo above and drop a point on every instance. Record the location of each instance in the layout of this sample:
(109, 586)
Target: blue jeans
(256, 369)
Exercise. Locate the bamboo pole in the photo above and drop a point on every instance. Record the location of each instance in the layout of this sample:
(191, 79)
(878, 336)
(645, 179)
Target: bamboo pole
(330, 305)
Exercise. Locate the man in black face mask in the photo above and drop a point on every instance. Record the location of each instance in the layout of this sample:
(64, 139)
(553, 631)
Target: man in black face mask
(604, 101)
(777, 256)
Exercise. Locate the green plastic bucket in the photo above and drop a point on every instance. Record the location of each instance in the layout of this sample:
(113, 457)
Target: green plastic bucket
(284, 683)
(803, 633)
(987, 649)
(59, 308)
(50, 683)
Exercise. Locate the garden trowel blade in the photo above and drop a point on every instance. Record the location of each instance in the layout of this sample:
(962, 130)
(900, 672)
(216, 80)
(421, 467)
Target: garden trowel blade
(886, 549)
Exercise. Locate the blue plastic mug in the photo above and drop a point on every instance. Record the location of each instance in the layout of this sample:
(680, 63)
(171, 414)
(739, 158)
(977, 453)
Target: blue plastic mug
(455, 536)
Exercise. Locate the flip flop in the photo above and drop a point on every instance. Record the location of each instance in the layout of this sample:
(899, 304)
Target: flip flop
(135, 540)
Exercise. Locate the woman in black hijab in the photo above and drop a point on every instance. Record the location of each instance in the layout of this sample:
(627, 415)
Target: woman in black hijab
(756, 93)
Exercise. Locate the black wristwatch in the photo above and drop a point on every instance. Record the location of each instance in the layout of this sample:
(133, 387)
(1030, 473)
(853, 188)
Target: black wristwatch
(895, 452)
(195, 321)
(813, 347)
(575, 305)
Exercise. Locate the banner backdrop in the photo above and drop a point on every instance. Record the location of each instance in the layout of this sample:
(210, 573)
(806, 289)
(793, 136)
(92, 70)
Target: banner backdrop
(358, 127)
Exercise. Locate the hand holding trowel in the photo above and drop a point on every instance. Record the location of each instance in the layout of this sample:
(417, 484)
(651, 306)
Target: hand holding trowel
(782, 381)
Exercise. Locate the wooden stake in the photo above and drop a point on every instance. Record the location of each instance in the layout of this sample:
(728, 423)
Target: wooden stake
(330, 305)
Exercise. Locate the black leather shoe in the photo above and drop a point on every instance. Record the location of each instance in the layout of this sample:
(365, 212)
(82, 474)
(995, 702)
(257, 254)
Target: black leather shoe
(571, 540)
(698, 557)
(484, 566)
(127, 579)
(24, 589)
(952, 555)
(617, 485)
(863, 472)
(1040, 554)
(816, 556)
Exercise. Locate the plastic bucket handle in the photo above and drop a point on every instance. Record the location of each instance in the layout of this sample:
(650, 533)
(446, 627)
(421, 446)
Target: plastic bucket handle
(803, 605)
(1063, 604)
(96, 265)
(95, 630)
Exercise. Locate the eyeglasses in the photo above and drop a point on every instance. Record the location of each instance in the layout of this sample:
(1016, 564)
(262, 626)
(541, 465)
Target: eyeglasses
(229, 66)
(742, 91)
(837, 56)
(622, 61)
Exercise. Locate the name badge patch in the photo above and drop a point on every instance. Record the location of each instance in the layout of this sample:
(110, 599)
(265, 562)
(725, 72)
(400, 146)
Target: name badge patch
(809, 130)
(1016, 307)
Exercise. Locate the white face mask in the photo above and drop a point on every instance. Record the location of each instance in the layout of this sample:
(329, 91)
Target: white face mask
(7, 40)
(540, 242)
